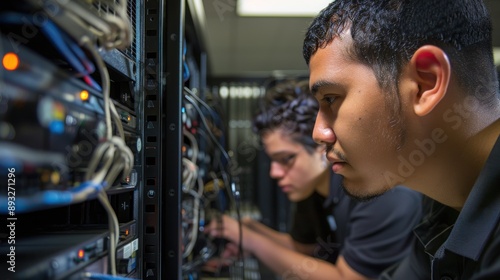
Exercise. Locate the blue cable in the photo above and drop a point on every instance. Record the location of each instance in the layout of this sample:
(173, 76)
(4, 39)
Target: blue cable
(86, 185)
(49, 198)
(68, 51)
(65, 45)
(99, 276)
(89, 66)
(186, 74)
(54, 35)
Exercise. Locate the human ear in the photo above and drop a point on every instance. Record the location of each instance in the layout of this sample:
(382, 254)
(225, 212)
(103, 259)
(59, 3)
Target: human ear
(432, 74)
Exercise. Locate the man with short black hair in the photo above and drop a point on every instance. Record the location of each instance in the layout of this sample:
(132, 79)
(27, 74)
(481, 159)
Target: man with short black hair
(408, 94)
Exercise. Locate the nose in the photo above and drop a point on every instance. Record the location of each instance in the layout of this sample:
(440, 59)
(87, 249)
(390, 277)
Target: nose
(323, 132)
(276, 171)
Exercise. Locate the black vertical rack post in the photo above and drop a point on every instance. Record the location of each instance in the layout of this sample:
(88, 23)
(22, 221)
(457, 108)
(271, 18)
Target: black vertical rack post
(152, 135)
(172, 103)
(164, 29)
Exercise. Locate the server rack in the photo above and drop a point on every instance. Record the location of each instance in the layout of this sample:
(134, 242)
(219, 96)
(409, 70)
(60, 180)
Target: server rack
(174, 46)
(53, 121)
(51, 112)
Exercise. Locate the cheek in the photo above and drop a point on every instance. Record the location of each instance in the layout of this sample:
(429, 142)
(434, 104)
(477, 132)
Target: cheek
(304, 174)
(299, 177)
(366, 136)
(355, 129)
(378, 151)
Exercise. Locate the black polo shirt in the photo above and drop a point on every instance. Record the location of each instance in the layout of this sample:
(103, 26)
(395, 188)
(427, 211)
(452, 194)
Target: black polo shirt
(460, 245)
(371, 236)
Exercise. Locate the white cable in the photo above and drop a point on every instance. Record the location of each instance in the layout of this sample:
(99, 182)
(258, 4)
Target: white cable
(107, 151)
(112, 30)
(86, 16)
(196, 219)
(114, 229)
(113, 156)
(189, 174)
(194, 145)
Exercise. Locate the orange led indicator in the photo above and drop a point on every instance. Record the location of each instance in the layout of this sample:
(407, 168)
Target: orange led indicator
(10, 61)
(126, 232)
(81, 253)
(84, 95)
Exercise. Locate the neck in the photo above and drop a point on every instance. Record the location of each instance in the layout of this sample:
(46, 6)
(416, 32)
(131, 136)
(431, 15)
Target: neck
(450, 173)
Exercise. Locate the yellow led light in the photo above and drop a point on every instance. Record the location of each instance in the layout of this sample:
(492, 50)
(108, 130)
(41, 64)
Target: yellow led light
(84, 95)
(55, 177)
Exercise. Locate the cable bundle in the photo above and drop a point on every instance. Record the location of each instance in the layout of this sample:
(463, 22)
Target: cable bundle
(112, 28)
(111, 157)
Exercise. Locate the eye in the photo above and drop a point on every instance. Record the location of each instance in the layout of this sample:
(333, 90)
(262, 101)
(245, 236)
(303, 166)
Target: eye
(286, 160)
(329, 99)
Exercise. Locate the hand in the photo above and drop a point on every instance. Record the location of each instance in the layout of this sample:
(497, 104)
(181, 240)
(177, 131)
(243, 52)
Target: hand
(231, 251)
(248, 221)
(225, 259)
(215, 264)
(226, 227)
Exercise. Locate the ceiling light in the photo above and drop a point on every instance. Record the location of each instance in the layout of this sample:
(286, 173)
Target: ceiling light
(496, 55)
(281, 8)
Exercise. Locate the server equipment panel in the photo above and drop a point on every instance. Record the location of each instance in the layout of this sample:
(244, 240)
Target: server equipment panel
(70, 139)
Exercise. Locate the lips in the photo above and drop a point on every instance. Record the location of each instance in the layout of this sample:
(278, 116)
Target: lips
(285, 188)
(337, 164)
(337, 167)
(334, 160)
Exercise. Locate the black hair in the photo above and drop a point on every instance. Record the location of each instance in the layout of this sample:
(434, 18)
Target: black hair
(386, 33)
(288, 106)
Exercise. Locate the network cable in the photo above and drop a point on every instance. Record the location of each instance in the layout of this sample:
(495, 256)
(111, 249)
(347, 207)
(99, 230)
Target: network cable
(53, 198)
(212, 136)
(112, 30)
(112, 156)
(234, 189)
(190, 179)
(99, 276)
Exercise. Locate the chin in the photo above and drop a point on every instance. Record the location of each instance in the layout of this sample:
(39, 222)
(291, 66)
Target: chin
(295, 197)
(361, 193)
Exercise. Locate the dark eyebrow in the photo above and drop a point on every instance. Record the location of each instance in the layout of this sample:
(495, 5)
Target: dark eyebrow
(322, 83)
(281, 153)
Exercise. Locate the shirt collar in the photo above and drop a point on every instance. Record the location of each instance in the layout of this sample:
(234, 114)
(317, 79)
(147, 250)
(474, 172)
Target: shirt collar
(436, 226)
(479, 216)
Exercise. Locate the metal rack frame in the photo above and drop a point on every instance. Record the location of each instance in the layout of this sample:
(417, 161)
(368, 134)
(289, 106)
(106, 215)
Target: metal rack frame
(164, 29)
